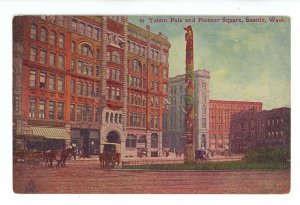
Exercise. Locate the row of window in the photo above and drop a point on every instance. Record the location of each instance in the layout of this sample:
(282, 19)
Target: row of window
(44, 36)
(137, 82)
(136, 99)
(37, 109)
(113, 118)
(132, 141)
(137, 119)
(85, 89)
(115, 40)
(113, 93)
(234, 106)
(136, 48)
(85, 68)
(43, 56)
(55, 82)
(85, 50)
(114, 74)
(137, 35)
(86, 29)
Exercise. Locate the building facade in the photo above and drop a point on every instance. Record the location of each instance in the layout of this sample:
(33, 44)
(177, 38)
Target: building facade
(252, 128)
(220, 113)
(174, 136)
(72, 76)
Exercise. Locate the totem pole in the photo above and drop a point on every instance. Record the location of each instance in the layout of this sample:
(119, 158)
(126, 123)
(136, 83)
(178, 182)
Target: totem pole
(189, 155)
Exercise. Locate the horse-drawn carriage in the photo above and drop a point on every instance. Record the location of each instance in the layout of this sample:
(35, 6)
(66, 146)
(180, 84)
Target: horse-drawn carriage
(110, 155)
(34, 158)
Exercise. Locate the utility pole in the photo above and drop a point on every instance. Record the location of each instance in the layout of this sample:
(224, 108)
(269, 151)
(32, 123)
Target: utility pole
(189, 155)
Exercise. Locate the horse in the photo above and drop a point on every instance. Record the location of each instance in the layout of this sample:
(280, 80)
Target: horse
(65, 153)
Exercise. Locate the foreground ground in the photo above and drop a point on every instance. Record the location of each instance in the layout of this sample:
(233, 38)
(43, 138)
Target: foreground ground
(80, 177)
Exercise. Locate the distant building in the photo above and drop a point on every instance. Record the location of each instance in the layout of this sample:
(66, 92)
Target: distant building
(220, 113)
(252, 128)
(174, 135)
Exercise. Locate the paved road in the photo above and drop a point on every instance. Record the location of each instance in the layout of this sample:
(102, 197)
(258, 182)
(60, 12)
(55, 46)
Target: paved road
(81, 177)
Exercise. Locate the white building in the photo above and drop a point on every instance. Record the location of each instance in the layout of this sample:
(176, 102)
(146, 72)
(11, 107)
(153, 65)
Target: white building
(174, 132)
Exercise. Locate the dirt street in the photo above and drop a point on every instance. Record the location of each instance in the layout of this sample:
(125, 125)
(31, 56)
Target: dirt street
(79, 177)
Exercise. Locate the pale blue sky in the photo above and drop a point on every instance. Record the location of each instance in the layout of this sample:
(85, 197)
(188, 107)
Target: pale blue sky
(247, 61)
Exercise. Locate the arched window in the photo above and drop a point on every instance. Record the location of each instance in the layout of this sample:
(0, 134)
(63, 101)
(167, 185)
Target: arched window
(116, 117)
(61, 41)
(116, 57)
(33, 31)
(203, 86)
(136, 65)
(106, 117)
(120, 118)
(111, 117)
(52, 38)
(43, 36)
(86, 50)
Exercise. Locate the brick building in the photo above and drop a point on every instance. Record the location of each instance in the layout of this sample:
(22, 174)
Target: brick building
(252, 128)
(175, 130)
(220, 113)
(72, 76)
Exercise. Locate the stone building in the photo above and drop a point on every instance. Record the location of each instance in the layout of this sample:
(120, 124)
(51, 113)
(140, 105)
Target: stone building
(252, 128)
(73, 76)
(174, 136)
(220, 113)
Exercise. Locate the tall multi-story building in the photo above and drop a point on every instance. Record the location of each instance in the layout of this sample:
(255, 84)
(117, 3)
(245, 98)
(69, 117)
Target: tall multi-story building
(220, 113)
(268, 128)
(175, 131)
(73, 80)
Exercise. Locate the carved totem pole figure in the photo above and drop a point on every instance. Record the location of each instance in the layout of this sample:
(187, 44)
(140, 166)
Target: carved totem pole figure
(189, 96)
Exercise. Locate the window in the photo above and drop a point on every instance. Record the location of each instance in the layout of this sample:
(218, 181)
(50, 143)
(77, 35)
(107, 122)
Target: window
(131, 141)
(52, 38)
(79, 88)
(42, 57)
(90, 90)
(86, 50)
(203, 110)
(98, 115)
(32, 78)
(33, 54)
(136, 65)
(165, 74)
(73, 65)
(154, 141)
(32, 107)
(97, 71)
(60, 110)
(61, 82)
(43, 80)
(73, 87)
(89, 31)
(106, 117)
(85, 89)
(61, 61)
(52, 82)
(116, 57)
(98, 54)
(156, 122)
(203, 86)
(72, 112)
(81, 28)
(43, 37)
(74, 24)
(42, 109)
(79, 112)
(33, 31)
(203, 122)
(152, 121)
(61, 41)
(51, 110)
(157, 70)
(52, 59)
(73, 47)
(96, 33)
(90, 112)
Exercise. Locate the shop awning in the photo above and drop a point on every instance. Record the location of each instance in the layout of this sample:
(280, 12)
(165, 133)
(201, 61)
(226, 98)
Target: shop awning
(50, 133)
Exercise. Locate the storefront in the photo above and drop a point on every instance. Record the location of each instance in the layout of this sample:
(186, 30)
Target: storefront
(42, 139)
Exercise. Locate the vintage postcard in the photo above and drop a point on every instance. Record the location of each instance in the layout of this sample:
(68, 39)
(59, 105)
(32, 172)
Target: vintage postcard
(151, 104)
